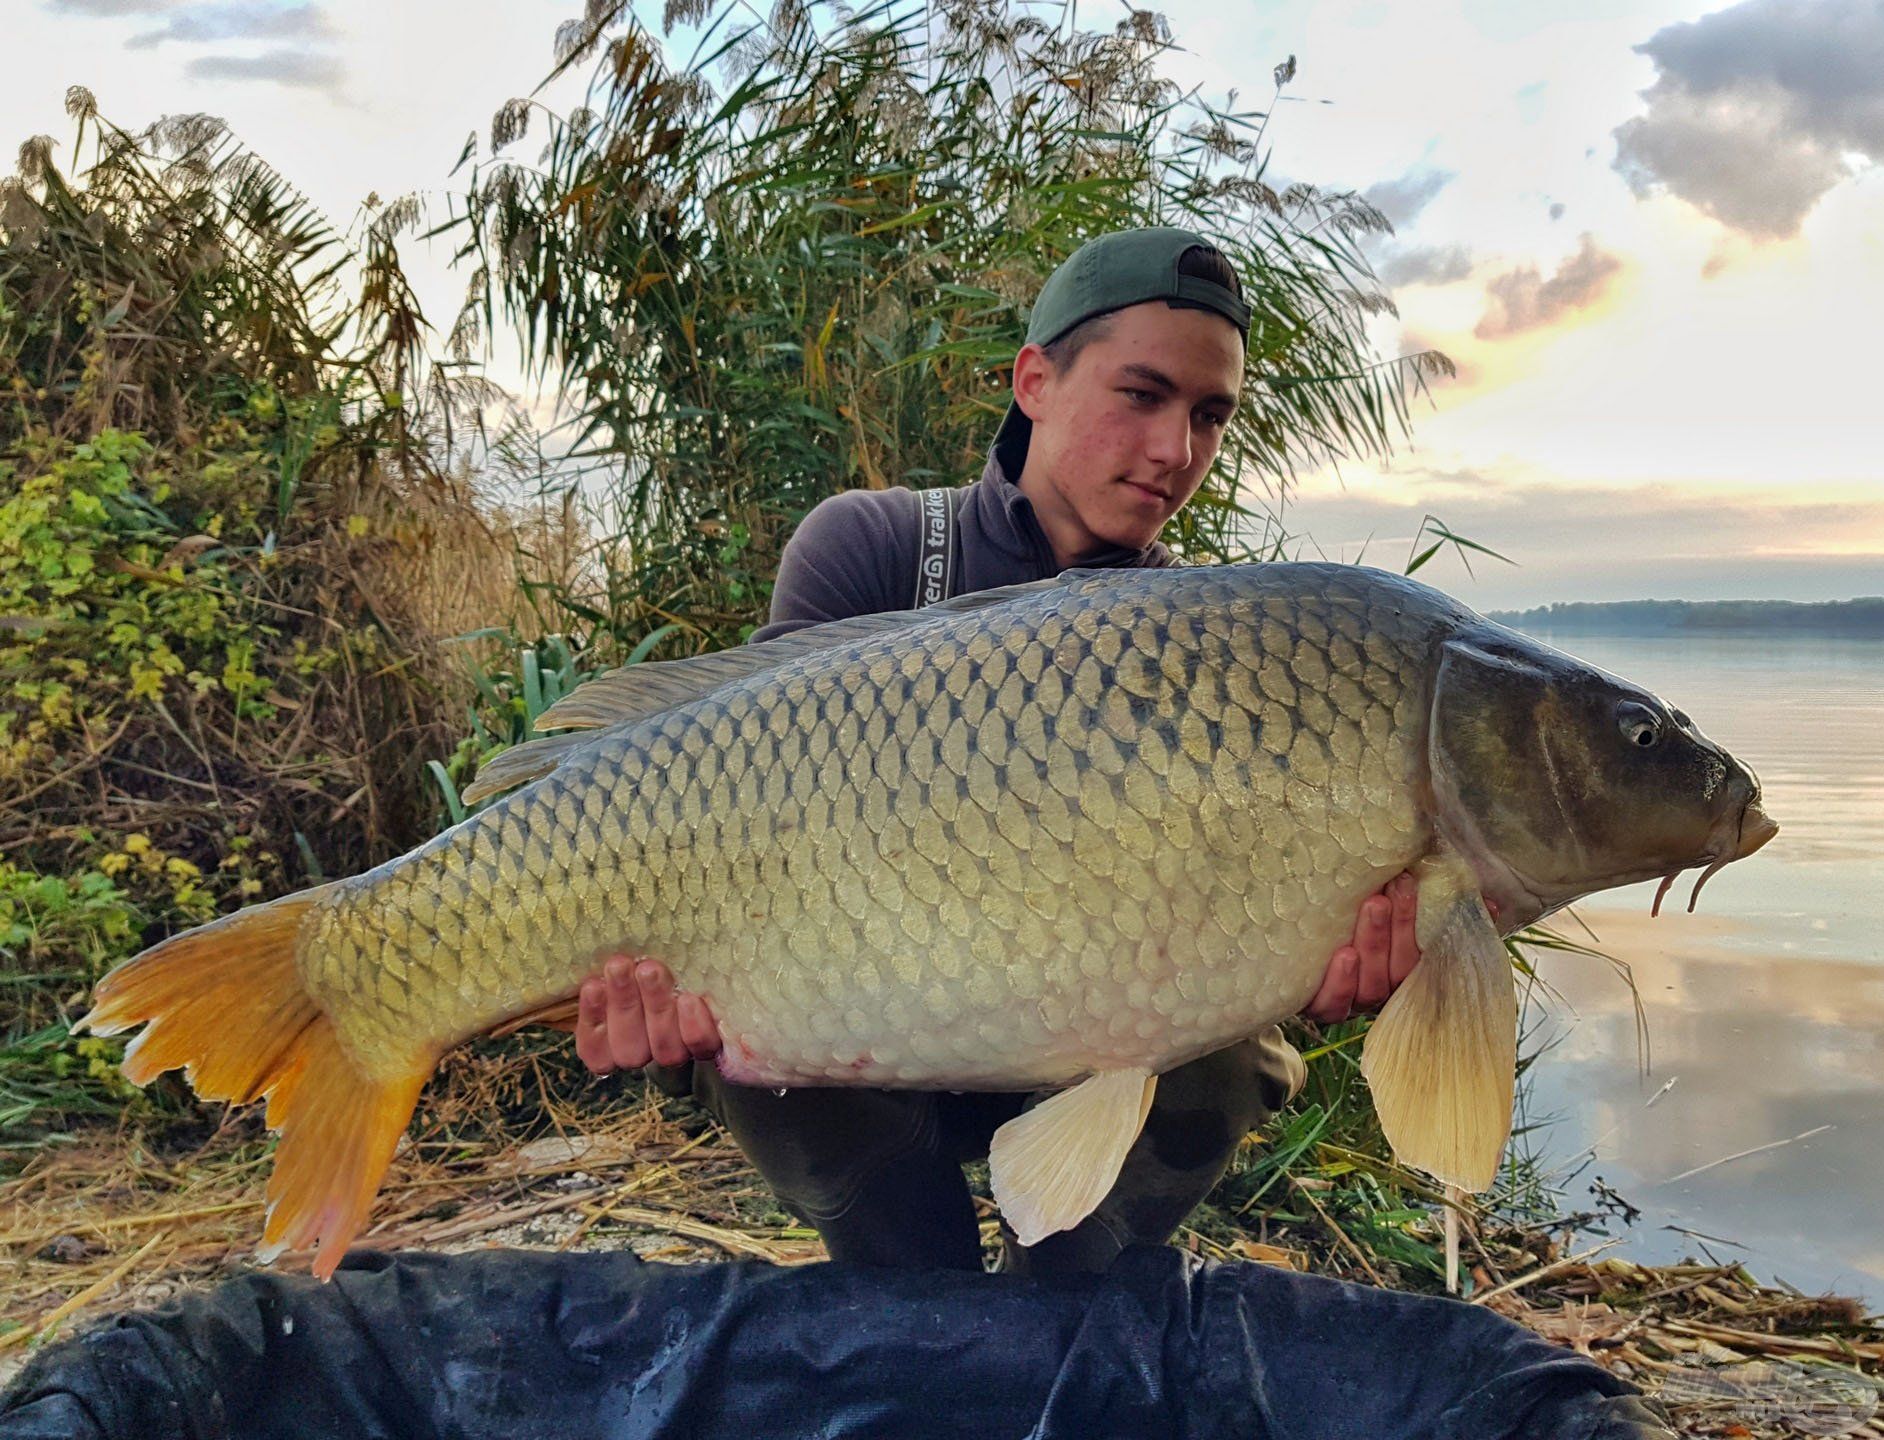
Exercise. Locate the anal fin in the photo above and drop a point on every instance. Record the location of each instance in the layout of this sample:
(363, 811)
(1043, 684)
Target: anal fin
(1442, 1058)
(1050, 1167)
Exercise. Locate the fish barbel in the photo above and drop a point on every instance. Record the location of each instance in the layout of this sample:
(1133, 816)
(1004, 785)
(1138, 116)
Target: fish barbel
(1067, 834)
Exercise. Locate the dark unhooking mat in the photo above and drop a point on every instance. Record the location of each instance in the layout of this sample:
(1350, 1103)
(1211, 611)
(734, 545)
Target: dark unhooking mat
(516, 1345)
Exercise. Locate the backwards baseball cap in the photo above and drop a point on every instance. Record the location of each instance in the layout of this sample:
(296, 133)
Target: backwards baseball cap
(1107, 273)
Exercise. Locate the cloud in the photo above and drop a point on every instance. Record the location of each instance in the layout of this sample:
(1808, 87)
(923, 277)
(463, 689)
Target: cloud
(1522, 299)
(1400, 263)
(206, 23)
(1402, 200)
(1580, 541)
(1759, 109)
(223, 20)
(1423, 264)
(108, 8)
(302, 69)
(1465, 374)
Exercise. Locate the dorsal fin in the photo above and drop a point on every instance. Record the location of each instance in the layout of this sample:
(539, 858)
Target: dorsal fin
(635, 692)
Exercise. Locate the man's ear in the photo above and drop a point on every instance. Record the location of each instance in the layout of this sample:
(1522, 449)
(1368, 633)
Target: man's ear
(1033, 375)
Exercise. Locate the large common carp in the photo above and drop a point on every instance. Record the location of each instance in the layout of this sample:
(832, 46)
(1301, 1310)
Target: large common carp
(1072, 833)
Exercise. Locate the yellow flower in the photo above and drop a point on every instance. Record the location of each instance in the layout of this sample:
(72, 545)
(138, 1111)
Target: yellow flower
(136, 844)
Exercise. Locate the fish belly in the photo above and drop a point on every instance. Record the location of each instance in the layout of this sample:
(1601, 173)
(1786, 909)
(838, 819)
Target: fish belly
(1118, 826)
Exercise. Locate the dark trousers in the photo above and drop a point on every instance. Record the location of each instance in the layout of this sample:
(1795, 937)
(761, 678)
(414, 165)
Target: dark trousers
(878, 1172)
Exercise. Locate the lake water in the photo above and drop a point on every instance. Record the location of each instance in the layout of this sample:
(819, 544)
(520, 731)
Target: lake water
(1765, 1009)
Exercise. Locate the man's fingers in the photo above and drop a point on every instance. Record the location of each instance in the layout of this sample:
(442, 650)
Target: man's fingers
(627, 1026)
(592, 1027)
(698, 1030)
(1373, 934)
(630, 1017)
(663, 1020)
(1405, 947)
(1335, 999)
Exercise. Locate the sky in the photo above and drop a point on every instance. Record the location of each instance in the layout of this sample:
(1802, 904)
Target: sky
(1649, 233)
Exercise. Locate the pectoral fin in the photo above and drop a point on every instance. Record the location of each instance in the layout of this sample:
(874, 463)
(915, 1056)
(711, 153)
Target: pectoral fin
(1442, 1058)
(1050, 1167)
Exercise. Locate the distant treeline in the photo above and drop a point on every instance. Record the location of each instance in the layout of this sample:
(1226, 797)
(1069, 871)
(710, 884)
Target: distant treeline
(1863, 616)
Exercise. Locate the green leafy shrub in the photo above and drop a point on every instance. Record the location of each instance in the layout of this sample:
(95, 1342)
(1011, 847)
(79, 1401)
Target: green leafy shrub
(231, 543)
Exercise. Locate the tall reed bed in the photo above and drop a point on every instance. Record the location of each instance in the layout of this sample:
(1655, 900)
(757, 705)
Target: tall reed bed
(771, 257)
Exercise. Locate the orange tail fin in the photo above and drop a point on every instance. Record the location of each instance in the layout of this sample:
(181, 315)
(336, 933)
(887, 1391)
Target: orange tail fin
(225, 1001)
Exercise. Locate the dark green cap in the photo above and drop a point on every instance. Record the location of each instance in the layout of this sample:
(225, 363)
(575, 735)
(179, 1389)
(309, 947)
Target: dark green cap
(1107, 273)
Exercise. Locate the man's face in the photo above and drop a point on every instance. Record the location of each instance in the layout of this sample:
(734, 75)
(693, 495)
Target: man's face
(1122, 438)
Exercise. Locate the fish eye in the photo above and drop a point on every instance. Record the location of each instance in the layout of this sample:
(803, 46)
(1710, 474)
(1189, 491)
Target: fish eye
(1641, 726)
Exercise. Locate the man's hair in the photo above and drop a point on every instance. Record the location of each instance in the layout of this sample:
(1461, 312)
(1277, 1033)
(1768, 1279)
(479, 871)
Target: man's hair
(1200, 262)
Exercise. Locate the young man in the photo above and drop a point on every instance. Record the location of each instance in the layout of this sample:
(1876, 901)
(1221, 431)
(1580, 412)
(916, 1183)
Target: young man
(1132, 367)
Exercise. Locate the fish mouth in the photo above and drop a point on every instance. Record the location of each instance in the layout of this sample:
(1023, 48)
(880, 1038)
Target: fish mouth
(1732, 841)
(1516, 899)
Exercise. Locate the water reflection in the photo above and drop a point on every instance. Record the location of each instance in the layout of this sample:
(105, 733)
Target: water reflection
(1767, 1009)
(1761, 1048)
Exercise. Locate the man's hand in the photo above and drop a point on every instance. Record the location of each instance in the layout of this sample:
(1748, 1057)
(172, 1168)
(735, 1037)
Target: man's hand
(1364, 972)
(630, 1015)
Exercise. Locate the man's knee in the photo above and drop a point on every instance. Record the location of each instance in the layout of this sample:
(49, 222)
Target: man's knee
(816, 1147)
(865, 1167)
(1212, 1102)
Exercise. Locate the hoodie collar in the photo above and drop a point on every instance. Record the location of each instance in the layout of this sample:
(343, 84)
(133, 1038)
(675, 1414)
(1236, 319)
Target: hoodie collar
(1007, 520)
